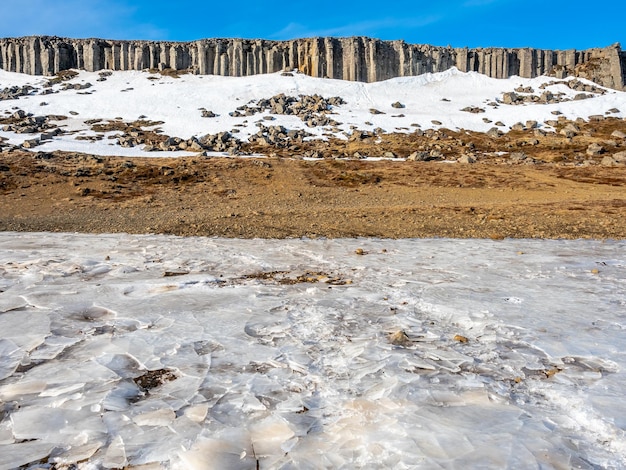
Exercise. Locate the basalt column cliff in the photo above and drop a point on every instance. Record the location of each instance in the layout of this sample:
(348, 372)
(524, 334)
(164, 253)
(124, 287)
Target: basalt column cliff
(355, 58)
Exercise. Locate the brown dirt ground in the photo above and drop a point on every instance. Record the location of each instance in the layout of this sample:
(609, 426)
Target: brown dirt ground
(278, 197)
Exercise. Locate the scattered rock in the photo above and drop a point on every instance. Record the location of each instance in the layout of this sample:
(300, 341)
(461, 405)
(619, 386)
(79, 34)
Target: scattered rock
(50, 135)
(435, 154)
(278, 136)
(15, 92)
(466, 159)
(609, 160)
(547, 98)
(510, 97)
(577, 85)
(397, 105)
(175, 273)
(570, 130)
(518, 156)
(22, 123)
(358, 135)
(620, 157)
(31, 143)
(400, 338)
(473, 109)
(220, 142)
(418, 157)
(595, 150)
(494, 132)
(311, 109)
(76, 86)
(618, 135)
(154, 378)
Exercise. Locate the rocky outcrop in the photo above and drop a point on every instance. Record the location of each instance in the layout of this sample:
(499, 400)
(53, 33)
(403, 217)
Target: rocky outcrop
(355, 58)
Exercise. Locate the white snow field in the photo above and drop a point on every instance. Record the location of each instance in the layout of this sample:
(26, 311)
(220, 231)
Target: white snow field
(507, 354)
(177, 102)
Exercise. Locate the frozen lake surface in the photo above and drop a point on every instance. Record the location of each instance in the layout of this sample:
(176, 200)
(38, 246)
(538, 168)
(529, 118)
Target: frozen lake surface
(190, 353)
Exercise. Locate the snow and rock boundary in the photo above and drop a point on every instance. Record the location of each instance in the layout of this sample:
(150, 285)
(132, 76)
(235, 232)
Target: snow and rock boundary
(290, 114)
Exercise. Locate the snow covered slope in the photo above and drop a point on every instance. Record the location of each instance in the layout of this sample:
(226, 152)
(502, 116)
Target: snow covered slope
(177, 102)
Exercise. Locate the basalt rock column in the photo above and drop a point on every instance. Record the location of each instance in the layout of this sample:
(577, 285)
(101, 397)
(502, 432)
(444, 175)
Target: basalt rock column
(355, 58)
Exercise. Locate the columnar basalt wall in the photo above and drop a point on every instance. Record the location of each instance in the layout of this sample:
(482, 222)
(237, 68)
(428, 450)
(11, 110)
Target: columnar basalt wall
(356, 58)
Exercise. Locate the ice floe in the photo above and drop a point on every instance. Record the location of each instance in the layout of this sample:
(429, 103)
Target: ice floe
(302, 354)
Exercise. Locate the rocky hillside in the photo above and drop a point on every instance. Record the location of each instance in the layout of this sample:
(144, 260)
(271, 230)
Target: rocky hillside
(130, 113)
(356, 58)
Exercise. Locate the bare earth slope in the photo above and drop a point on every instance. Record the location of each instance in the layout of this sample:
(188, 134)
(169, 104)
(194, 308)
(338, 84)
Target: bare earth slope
(291, 198)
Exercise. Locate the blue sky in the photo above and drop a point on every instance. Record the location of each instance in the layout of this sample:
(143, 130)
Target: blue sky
(559, 24)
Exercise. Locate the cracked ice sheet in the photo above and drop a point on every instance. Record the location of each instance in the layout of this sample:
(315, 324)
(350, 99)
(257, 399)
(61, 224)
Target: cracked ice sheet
(302, 374)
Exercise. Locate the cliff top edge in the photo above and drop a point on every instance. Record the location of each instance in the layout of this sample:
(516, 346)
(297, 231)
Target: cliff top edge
(615, 45)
